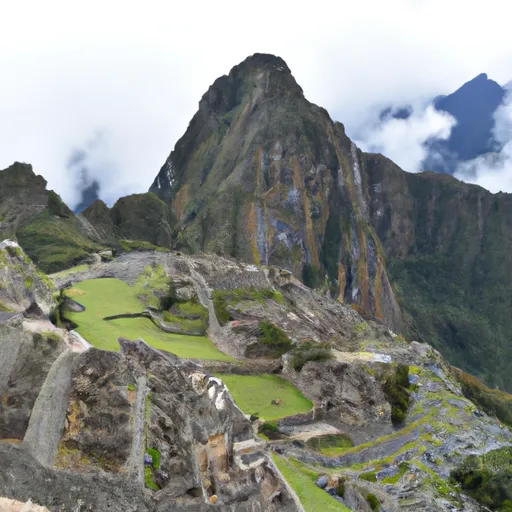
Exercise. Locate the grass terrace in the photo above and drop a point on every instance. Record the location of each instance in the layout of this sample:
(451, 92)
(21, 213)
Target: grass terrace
(108, 297)
(313, 499)
(255, 393)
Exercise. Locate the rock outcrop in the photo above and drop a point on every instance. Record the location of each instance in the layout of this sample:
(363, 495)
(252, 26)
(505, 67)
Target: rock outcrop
(23, 288)
(145, 419)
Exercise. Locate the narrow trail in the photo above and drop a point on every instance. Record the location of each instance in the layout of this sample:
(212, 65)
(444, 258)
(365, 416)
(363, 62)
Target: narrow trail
(136, 460)
(215, 332)
(49, 412)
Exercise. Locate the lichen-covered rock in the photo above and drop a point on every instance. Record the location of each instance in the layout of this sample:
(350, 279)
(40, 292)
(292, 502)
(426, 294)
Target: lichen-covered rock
(25, 360)
(7, 505)
(22, 286)
(343, 392)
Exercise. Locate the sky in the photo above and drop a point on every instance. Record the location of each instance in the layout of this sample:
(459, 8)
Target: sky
(112, 85)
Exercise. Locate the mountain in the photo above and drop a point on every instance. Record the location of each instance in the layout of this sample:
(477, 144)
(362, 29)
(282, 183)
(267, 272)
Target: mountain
(448, 250)
(263, 175)
(48, 230)
(473, 107)
(142, 217)
(211, 377)
(55, 238)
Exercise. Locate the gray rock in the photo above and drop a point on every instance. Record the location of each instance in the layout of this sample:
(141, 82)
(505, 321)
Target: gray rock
(354, 500)
(388, 472)
(22, 285)
(322, 481)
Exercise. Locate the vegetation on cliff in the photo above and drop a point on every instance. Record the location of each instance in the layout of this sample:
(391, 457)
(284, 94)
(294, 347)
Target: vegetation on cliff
(488, 478)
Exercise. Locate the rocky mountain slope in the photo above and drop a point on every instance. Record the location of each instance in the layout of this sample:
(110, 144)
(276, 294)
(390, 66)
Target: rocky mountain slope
(47, 229)
(263, 175)
(140, 429)
(55, 238)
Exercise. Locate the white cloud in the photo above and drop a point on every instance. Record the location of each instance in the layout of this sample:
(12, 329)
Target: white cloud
(403, 140)
(136, 71)
(494, 171)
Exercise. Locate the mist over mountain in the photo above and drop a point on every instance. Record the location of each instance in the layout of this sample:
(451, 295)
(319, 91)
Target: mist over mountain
(475, 110)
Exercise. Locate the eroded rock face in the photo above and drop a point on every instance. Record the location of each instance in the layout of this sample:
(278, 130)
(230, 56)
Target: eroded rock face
(7, 505)
(25, 360)
(22, 286)
(344, 392)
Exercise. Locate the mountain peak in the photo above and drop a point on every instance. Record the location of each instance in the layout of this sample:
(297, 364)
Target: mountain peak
(480, 77)
(260, 76)
(265, 60)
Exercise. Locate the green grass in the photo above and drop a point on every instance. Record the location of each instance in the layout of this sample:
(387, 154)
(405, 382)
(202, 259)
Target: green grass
(140, 245)
(106, 297)
(312, 498)
(254, 394)
(69, 271)
(330, 444)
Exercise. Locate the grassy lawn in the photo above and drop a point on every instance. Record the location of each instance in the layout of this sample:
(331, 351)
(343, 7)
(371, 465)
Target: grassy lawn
(312, 498)
(330, 444)
(69, 271)
(254, 394)
(106, 297)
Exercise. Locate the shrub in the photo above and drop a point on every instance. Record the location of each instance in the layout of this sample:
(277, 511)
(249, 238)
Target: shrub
(396, 388)
(269, 426)
(487, 478)
(276, 338)
(370, 476)
(155, 455)
(309, 351)
(373, 501)
(148, 477)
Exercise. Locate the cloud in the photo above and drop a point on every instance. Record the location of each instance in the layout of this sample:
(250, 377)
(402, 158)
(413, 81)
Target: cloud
(136, 71)
(494, 170)
(404, 140)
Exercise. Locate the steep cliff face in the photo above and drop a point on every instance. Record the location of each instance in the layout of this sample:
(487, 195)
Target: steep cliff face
(263, 175)
(449, 248)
